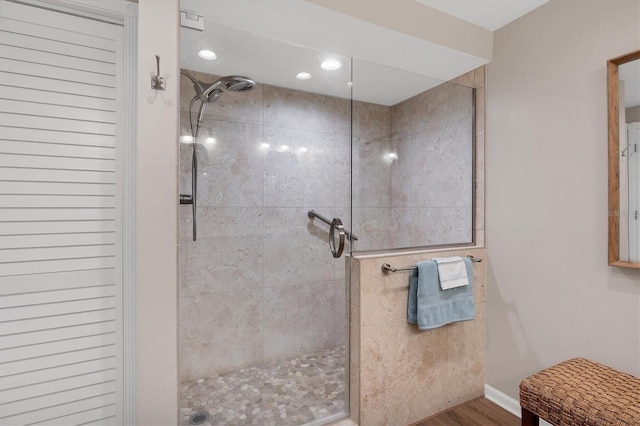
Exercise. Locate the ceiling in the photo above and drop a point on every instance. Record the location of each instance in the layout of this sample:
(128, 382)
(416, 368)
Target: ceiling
(272, 41)
(274, 62)
(489, 14)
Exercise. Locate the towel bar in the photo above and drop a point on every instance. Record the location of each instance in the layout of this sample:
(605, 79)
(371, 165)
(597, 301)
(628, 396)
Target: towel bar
(386, 268)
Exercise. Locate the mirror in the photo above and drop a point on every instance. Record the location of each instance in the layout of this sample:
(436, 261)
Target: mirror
(623, 81)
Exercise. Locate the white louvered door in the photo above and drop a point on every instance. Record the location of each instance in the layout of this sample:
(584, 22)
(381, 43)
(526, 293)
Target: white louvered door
(60, 296)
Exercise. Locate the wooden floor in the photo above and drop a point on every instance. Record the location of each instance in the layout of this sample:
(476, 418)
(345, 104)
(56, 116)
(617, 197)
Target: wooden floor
(480, 412)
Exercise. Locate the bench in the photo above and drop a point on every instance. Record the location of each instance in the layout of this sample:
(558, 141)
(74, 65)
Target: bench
(580, 392)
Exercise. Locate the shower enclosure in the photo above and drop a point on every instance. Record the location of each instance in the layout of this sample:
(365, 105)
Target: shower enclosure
(317, 158)
(262, 321)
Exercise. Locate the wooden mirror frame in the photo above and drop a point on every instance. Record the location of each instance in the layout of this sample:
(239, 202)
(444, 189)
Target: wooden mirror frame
(614, 159)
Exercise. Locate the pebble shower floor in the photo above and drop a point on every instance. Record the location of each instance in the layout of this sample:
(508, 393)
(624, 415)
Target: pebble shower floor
(293, 391)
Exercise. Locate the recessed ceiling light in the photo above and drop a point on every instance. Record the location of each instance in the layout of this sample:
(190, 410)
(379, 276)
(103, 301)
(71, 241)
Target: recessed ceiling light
(284, 147)
(303, 149)
(210, 141)
(331, 64)
(186, 139)
(209, 55)
(265, 145)
(303, 76)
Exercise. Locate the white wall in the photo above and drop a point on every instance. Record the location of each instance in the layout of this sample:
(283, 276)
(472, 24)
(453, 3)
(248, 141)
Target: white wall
(551, 295)
(157, 206)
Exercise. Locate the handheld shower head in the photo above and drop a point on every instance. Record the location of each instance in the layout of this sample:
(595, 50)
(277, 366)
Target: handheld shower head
(237, 83)
(211, 92)
(232, 83)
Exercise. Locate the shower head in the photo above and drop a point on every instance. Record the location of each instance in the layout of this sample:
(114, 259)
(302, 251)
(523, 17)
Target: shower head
(232, 83)
(211, 92)
(237, 83)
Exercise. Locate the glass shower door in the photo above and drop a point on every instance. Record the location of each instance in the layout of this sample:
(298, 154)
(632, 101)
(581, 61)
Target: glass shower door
(262, 310)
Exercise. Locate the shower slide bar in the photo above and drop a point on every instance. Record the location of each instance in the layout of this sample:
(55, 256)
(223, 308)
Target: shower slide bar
(314, 214)
(386, 268)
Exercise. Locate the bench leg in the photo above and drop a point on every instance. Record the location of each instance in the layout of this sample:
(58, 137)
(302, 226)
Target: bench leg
(529, 419)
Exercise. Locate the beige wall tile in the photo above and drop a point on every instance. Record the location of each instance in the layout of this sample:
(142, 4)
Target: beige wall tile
(403, 170)
(371, 225)
(227, 255)
(442, 175)
(407, 374)
(354, 334)
(298, 319)
(295, 248)
(342, 116)
(443, 104)
(480, 77)
(294, 109)
(480, 153)
(230, 169)
(401, 117)
(371, 121)
(354, 282)
(293, 178)
(340, 327)
(354, 393)
(220, 265)
(467, 79)
(217, 333)
(479, 206)
(466, 345)
(480, 108)
(430, 226)
(431, 182)
(383, 297)
(371, 172)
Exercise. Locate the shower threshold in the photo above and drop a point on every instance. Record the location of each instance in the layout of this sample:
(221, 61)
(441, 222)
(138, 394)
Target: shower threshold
(304, 390)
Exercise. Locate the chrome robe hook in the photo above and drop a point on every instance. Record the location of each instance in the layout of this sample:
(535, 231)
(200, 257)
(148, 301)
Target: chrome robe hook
(157, 82)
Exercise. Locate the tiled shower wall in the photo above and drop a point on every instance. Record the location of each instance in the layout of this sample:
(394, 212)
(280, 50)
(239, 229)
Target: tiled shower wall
(398, 374)
(259, 283)
(424, 197)
(432, 179)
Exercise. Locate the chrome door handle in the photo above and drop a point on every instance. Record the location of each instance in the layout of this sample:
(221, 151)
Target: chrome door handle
(336, 231)
(336, 226)
(312, 214)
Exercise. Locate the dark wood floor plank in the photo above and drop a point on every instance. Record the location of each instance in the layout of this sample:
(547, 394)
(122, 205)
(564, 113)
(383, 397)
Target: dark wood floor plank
(494, 413)
(439, 422)
(480, 412)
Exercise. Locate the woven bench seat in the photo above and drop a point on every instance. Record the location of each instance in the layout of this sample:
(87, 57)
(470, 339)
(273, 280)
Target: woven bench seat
(580, 392)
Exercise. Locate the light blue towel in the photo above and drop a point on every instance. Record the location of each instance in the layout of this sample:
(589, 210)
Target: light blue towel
(429, 306)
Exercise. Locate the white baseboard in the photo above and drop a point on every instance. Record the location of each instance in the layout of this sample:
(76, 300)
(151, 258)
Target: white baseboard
(505, 401)
(502, 399)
